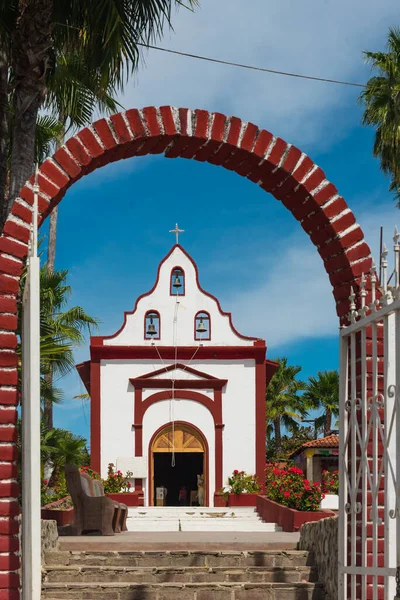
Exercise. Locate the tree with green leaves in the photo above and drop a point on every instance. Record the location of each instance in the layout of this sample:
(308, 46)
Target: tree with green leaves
(62, 329)
(40, 38)
(284, 405)
(289, 443)
(381, 99)
(322, 392)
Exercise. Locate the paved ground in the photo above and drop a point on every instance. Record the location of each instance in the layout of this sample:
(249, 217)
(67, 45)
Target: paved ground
(183, 540)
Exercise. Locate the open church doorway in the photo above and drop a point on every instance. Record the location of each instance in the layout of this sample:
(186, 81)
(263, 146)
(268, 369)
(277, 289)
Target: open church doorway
(178, 455)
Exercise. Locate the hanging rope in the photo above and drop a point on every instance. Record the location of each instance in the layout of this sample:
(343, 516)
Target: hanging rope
(175, 344)
(172, 373)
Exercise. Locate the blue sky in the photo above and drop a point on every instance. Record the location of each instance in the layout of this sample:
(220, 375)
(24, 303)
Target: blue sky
(114, 224)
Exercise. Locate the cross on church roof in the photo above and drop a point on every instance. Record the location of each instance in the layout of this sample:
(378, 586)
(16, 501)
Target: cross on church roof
(177, 231)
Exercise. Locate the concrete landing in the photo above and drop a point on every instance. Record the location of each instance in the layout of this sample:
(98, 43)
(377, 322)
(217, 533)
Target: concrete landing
(201, 541)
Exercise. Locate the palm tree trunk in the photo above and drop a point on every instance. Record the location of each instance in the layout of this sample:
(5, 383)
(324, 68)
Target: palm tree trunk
(51, 249)
(278, 437)
(31, 44)
(328, 422)
(51, 256)
(3, 134)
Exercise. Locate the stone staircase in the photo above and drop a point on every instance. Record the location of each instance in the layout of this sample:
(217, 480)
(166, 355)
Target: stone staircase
(179, 575)
(197, 518)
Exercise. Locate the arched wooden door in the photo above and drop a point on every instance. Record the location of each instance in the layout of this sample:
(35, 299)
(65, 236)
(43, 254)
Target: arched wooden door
(179, 438)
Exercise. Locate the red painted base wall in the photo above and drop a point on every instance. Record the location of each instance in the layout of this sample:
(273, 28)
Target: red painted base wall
(130, 498)
(287, 518)
(242, 500)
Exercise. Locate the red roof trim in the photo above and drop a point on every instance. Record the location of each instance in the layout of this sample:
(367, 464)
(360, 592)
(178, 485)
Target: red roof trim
(330, 441)
(223, 313)
(99, 351)
(84, 373)
(171, 368)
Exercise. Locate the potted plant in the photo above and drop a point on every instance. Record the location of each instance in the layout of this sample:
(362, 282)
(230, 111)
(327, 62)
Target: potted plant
(221, 497)
(242, 489)
(290, 500)
(56, 503)
(330, 488)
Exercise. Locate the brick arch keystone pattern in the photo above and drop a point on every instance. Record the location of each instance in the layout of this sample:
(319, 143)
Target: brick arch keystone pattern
(276, 166)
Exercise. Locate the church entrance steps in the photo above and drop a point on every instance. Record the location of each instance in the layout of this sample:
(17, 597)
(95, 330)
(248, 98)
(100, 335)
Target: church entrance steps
(276, 575)
(244, 519)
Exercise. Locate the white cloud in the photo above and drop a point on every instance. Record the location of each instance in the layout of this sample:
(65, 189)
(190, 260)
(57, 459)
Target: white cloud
(294, 300)
(323, 38)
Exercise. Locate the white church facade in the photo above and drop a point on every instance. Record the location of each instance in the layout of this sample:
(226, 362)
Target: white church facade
(177, 392)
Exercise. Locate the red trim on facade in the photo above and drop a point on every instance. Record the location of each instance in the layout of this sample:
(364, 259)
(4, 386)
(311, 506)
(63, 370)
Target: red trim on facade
(179, 384)
(271, 367)
(98, 351)
(169, 368)
(219, 448)
(146, 316)
(95, 417)
(223, 313)
(214, 406)
(84, 373)
(260, 440)
(171, 293)
(197, 336)
(207, 461)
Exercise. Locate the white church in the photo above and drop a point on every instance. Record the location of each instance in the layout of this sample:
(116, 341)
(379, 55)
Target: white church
(177, 391)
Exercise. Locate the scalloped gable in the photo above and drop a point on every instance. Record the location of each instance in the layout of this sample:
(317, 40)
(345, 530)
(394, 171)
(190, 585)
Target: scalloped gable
(160, 299)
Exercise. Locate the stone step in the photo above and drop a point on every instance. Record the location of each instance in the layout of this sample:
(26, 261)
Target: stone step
(193, 526)
(151, 575)
(183, 591)
(193, 517)
(269, 558)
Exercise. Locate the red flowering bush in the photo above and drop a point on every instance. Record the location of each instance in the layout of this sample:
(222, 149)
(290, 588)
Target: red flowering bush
(116, 482)
(330, 482)
(92, 474)
(241, 483)
(290, 488)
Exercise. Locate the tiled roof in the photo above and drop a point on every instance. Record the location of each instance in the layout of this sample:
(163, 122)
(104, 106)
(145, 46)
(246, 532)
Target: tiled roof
(330, 441)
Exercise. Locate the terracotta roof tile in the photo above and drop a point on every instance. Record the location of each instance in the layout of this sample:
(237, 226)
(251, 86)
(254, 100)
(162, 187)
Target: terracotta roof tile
(330, 441)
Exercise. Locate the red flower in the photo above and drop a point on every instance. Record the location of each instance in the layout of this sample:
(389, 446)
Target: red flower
(235, 472)
(286, 494)
(45, 481)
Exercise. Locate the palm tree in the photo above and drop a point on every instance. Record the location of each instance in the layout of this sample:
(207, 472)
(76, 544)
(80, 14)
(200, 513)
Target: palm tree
(322, 391)
(61, 447)
(381, 98)
(33, 35)
(74, 93)
(284, 406)
(61, 330)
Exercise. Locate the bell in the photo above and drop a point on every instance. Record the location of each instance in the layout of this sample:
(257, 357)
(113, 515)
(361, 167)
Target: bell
(201, 328)
(151, 330)
(177, 283)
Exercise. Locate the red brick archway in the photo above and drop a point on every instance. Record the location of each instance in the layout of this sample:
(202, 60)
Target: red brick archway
(278, 167)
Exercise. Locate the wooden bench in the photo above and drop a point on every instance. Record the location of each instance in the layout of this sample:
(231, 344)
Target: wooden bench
(92, 510)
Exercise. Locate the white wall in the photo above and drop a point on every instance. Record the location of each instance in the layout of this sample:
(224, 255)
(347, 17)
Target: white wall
(238, 412)
(184, 410)
(193, 301)
(238, 397)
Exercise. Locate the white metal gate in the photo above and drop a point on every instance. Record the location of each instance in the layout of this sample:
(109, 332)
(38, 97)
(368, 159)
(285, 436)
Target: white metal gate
(369, 468)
